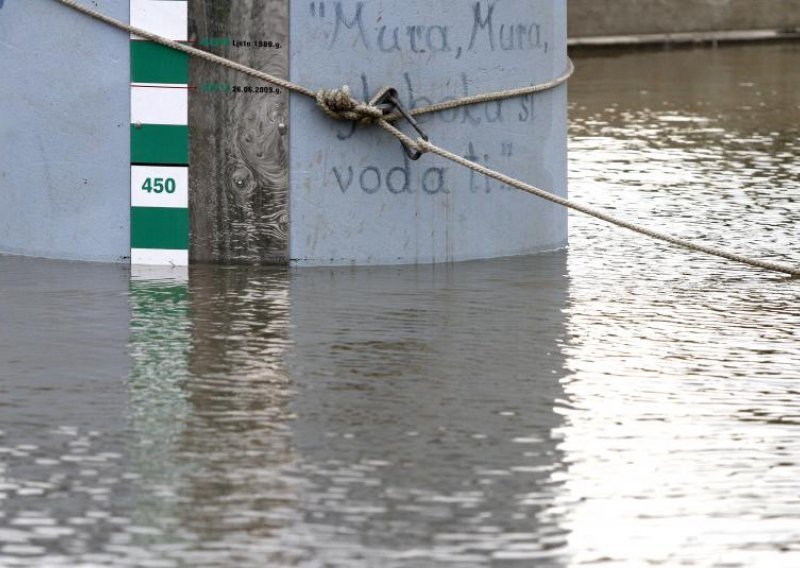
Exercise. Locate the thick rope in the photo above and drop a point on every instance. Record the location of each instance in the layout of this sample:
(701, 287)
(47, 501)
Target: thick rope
(497, 95)
(341, 105)
(338, 104)
(425, 146)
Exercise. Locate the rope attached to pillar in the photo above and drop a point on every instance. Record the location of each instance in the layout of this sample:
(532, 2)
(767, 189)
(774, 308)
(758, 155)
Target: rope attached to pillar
(341, 105)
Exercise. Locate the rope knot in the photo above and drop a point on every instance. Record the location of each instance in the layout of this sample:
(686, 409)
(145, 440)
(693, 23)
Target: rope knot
(339, 104)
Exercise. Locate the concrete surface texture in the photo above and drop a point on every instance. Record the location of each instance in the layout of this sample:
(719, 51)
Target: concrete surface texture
(64, 134)
(356, 198)
(633, 17)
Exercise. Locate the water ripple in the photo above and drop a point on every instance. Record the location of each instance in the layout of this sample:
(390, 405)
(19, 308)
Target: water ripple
(620, 404)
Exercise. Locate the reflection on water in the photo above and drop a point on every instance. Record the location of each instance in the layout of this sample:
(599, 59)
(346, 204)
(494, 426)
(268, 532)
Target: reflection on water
(387, 416)
(704, 143)
(685, 371)
(424, 439)
(621, 404)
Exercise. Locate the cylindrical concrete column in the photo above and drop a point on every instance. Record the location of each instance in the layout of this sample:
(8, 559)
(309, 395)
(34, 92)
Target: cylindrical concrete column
(64, 132)
(356, 198)
(210, 166)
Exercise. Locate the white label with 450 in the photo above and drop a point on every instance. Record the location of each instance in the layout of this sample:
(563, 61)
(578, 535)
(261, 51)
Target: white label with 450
(156, 186)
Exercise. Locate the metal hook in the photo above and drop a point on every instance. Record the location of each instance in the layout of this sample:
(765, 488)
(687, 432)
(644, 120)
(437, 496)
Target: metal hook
(387, 99)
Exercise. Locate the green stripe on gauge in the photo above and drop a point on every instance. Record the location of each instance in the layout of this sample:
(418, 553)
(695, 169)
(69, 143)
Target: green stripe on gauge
(155, 63)
(159, 144)
(159, 228)
(159, 136)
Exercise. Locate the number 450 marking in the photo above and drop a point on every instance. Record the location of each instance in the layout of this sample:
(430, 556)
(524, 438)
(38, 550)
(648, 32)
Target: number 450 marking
(159, 185)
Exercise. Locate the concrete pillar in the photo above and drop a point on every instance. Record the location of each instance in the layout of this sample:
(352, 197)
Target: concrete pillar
(355, 198)
(64, 132)
(271, 179)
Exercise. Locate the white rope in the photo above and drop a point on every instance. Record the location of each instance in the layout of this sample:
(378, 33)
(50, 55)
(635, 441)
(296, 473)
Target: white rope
(339, 104)
(425, 146)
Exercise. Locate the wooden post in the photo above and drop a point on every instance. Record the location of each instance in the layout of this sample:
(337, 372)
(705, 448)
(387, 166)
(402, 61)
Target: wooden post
(239, 176)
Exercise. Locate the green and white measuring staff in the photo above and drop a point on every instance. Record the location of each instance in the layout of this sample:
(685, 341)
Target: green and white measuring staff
(159, 136)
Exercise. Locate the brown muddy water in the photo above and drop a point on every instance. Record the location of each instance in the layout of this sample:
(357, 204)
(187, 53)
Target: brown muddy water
(619, 404)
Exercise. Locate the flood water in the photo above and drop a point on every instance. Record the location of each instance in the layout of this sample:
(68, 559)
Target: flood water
(622, 403)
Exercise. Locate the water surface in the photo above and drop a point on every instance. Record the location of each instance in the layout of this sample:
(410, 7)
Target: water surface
(622, 403)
